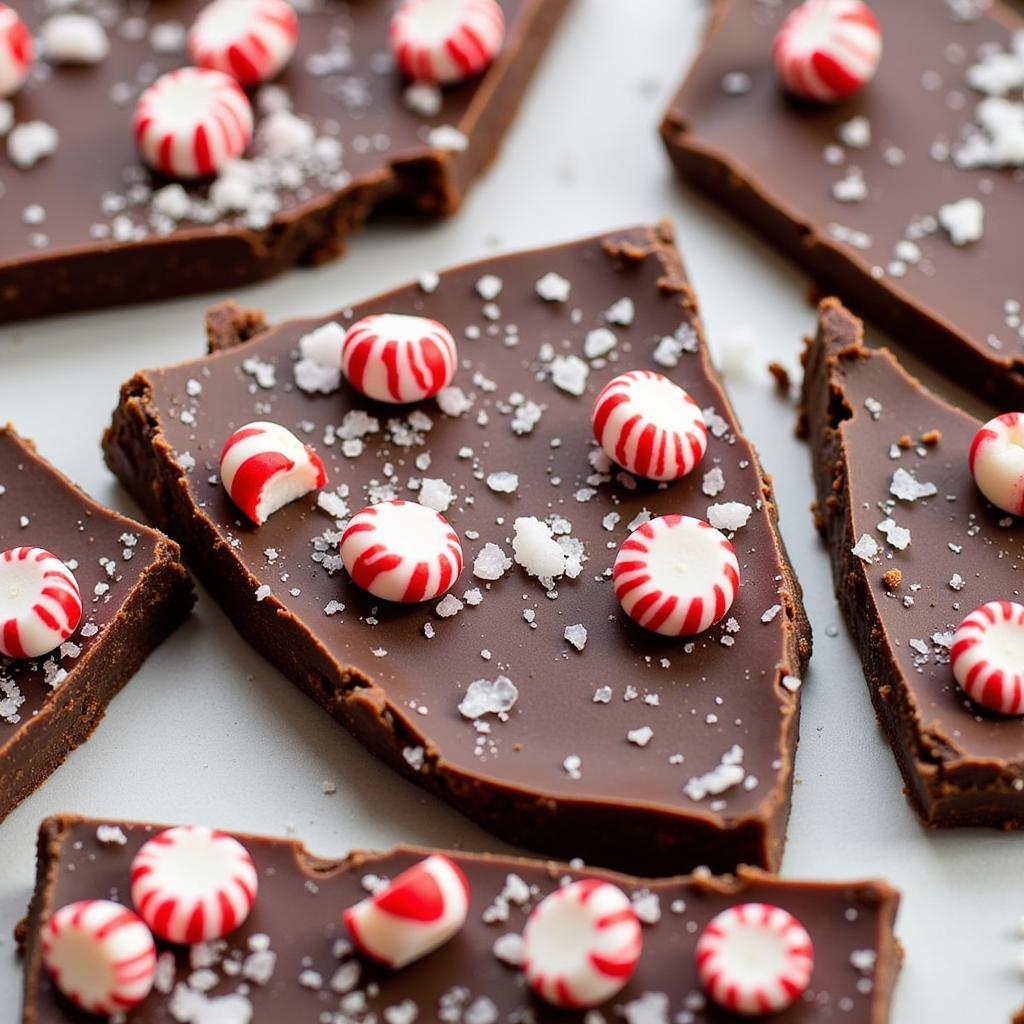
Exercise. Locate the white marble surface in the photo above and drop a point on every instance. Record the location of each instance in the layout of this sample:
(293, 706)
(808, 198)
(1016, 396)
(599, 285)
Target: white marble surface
(208, 732)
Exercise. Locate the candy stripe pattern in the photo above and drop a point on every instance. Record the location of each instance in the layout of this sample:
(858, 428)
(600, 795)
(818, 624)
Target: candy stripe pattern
(581, 944)
(649, 426)
(996, 461)
(826, 50)
(191, 884)
(40, 603)
(445, 41)
(413, 915)
(189, 123)
(676, 575)
(987, 656)
(396, 358)
(401, 551)
(250, 40)
(264, 467)
(16, 52)
(100, 956)
(754, 959)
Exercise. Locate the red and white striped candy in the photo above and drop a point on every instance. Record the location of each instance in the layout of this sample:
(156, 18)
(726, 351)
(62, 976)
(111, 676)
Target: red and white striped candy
(446, 41)
(191, 884)
(418, 911)
(649, 425)
(264, 466)
(251, 40)
(100, 956)
(401, 551)
(16, 52)
(191, 122)
(40, 603)
(826, 50)
(996, 462)
(754, 959)
(581, 944)
(987, 656)
(676, 575)
(396, 358)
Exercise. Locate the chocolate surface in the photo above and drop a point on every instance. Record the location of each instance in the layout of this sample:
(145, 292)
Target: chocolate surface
(562, 773)
(299, 907)
(775, 163)
(963, 765)
(82, 227)
(134, 593)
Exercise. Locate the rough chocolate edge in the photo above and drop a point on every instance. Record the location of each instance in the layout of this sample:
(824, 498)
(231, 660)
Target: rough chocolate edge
(945, 787)
(53, 830)
(158, 603)
(645, 840)
(202, 260)
(1001, 381)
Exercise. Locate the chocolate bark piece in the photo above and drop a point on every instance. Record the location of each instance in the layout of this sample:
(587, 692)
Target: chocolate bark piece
(135, 591)
(867, 421)
(613, 752)
(297, 916)
(779, 165)
(107, 235)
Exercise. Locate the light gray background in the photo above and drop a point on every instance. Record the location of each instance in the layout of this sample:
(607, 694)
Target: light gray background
(207, 732)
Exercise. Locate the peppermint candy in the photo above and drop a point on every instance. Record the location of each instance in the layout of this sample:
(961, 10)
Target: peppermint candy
(395, 358)
(581, 944)
(649, 426)
(987, 656)
(100, 956)
(40, 603)
(754, 959)
(191, 884)
(401, 551)
(996, 461)
(251, 40)
(413, 915)
(676, 575)
(826, 50)
(264, 467)
(446, 41)
(16, 52)
(191, 122)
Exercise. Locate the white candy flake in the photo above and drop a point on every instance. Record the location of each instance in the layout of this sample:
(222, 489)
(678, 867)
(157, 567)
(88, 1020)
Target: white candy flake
(484, 697)
(553, 287)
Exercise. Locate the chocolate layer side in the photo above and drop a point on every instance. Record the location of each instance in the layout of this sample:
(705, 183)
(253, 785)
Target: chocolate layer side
(866, 418)
(299, 909)
(135, 592)
(574, 770)
(774, 162)
(103, 241)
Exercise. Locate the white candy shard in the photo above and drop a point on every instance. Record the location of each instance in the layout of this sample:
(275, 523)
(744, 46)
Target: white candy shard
(74, 39)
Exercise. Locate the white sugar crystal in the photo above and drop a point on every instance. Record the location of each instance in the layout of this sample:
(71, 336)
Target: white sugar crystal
(535, 548)
(262, 592)
(569, 373)
(650, 1008)
(168, 37)
(423, 98)
(436, 493)
(572, 766)
(489, 287)
(446, 137)
(405, 1012)
(171, 201)
(553, 287)
(956, 581)
(729, 515)
(643, 516)
(473, 597)
(866, 548)
(30, 142)
(897, 536)
(726, 774)
(333, 504)
(323, 345)
(484, 697)
(906, 486)
(603, 695)
(714, 482)
(667, 352)
(963, 220)
(599, 342)
(526, 417)
(74, 39)
(621, 312)
(509, 949)
(111, 835)
(428, 281)
(770, 614)
(647, 907)
(641, 737)
(453, 401)
(855, 133)
(850, 189)
(792, 683)
(448, 606)
(188, 1006)
(282, 135)
(576, 635)
(491, 563)
(503, 482)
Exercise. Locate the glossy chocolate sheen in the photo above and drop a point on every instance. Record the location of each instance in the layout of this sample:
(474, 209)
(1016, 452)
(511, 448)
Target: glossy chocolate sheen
(299, 907)
(134, 593)
(373, 667)
(763, 156)
(963, 765)
(355, 96)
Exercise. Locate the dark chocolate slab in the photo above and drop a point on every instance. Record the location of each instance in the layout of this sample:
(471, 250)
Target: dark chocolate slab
(101, 244)
(963, 765)
(763, 156)
(373, 668)
(299, 909)
(135, 591)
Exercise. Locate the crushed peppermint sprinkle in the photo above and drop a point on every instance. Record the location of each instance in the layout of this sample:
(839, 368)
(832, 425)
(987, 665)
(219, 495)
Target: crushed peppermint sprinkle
(436, 494)
(503, 482)
(111, 835)
(729, 515)
(486, 697)
(569, 374)
(622, 312)
(599, 342)
(726, 774)
(553, 287)
(908, 488)
(897, 536)
(448, 606)
(576, 635)
(769, 614)
(641, 737)
(573, 765)
(963, 220)
(866, 548)
(491, 563)
(792, 683)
